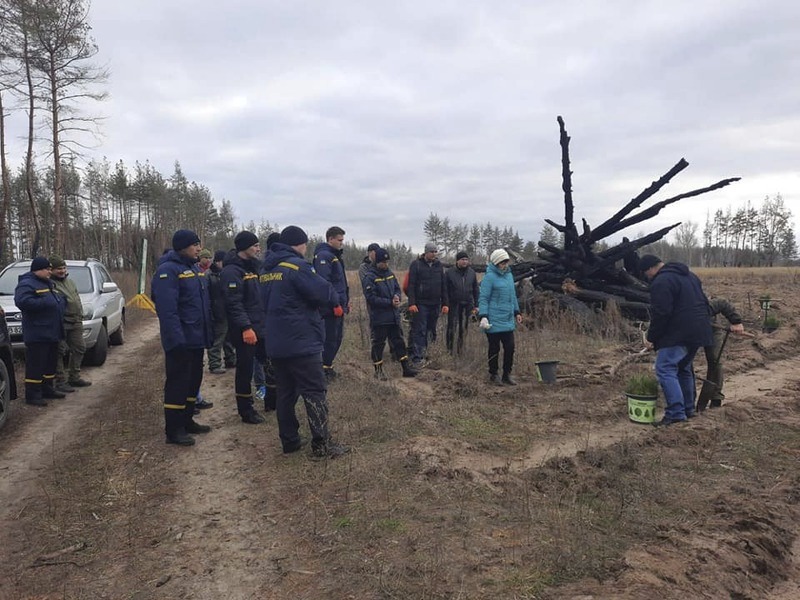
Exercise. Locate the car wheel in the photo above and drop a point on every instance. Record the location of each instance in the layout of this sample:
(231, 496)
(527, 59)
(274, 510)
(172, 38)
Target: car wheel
(118, 337)
(5, 394)
(96, 356)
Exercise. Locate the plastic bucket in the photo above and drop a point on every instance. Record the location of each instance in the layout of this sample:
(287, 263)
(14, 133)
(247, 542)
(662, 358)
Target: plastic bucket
(641, 409)
(546, 371)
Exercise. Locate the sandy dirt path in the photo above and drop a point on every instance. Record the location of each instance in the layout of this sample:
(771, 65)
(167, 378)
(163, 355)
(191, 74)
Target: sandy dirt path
(28, 451)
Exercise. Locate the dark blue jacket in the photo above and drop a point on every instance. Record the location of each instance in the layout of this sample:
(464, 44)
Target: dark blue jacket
(243, 303)
(379, 289)
(329, 265)
(42, 309)
(679, 310)
(426, 283)
(180, 293)
(293, 297)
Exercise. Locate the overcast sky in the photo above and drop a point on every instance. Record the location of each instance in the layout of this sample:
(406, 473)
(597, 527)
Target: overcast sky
(371, 114)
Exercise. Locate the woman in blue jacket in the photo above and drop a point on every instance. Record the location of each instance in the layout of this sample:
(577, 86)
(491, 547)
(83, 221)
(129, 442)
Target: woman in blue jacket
(499, 314)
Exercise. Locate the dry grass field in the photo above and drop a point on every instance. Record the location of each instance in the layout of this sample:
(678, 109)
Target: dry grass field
(454, 489)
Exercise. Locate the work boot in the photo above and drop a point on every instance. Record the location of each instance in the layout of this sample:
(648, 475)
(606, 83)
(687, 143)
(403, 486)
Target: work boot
(50, 393)
(64, 387)
(667, 421)
(379, 374)
(329, 449)
(508, 380)
(408, 369)
(495, 379)
(193, 427)
(252, 418)
(79, 382)
(180, 439)
(36, 401)
(299, 445)
(218, 371)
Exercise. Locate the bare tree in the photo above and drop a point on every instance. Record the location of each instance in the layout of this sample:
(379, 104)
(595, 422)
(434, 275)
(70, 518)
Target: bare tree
(686, 238)
(64, 50)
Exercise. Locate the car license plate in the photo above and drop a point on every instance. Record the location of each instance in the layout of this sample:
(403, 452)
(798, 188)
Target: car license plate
(15, 330)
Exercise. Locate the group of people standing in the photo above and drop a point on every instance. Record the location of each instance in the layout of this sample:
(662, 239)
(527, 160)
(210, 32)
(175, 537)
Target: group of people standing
(286, 315)
(281, 295)
(433, 290)
(52, 330)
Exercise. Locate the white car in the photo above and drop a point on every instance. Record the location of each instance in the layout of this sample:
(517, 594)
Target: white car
(103, 306)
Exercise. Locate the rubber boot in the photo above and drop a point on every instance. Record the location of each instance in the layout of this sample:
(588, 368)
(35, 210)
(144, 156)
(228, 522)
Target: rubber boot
(379, 374)
(408, 369)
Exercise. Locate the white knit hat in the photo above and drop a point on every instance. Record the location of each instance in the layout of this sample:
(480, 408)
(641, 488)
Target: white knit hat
(499, 256)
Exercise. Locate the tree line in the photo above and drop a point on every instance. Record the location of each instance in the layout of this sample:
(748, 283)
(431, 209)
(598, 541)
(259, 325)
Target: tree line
(748, 236)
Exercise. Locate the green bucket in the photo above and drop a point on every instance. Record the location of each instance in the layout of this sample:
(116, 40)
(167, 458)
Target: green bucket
(641, 409)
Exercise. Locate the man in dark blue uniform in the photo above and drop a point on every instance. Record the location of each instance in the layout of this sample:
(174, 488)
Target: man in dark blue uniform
(382, 292)
(680, 324)
(42, 330)
(245, 311)
(329, 265)
(293, 297)
(180, 293)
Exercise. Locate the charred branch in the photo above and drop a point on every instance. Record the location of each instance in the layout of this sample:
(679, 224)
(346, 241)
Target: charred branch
(606, 228)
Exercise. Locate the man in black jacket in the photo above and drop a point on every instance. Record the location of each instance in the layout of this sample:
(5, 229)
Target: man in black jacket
(462, 291)
(427, 295)
(679, 325)
(221, 344)
(245, 311)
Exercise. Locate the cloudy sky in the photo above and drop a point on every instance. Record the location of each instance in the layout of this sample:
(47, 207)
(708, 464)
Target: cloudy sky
(371, 114)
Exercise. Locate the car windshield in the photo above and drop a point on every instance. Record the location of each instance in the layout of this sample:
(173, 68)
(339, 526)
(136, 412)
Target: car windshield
(80, 275)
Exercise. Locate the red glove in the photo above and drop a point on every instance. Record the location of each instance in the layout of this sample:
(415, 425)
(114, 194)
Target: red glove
(445, 309)
(413, 309)
(338, 311)
(249, 337)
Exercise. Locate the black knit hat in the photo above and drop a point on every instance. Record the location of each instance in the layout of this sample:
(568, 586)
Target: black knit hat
(648, 261)
(245, 239)
(381, 255)
(373, 247)
(272, 238)
(293, 236)
(39, 263)
(461, 255)
(219, 255)
(183, 238)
